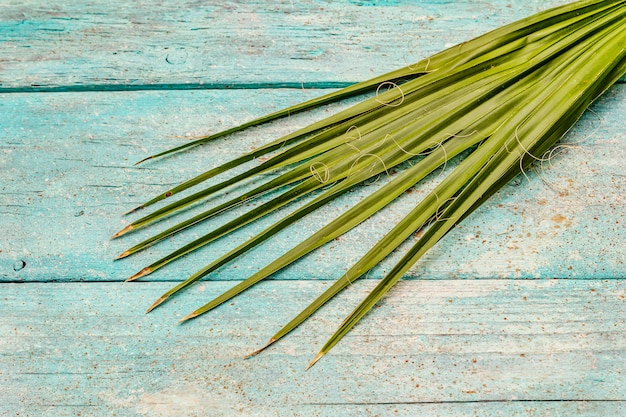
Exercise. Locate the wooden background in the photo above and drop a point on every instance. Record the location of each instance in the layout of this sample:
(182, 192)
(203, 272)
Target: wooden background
(519, 311)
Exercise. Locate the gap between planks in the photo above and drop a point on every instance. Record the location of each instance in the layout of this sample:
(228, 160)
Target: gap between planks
(113, 87)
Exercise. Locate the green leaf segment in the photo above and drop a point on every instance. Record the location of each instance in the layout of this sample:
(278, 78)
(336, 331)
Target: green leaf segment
(502, 100)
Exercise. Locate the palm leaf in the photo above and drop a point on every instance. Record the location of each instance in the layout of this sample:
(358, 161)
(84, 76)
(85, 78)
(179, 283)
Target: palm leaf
(502, 100)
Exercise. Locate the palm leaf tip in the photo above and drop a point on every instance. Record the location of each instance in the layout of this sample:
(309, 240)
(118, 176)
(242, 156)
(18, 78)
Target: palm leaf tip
(188, 317)
(145, 271)
(122, 232)
(157, 303)
(143, 160)
(141, 207)
(516, 86)
(256, 352)
(316, 359)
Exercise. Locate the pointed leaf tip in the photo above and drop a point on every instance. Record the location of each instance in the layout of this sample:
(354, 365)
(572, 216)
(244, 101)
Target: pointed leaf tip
(134, 209)
(143, 160)
(123, 231)
(315, 359)
(256, 352)
(156, 304)
(188, 317)
(140, 274)
(122, 255)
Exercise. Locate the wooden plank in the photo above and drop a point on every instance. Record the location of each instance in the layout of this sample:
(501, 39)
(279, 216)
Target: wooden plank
(492, 347)
(438, 346)
(70, 44)
(66, 177)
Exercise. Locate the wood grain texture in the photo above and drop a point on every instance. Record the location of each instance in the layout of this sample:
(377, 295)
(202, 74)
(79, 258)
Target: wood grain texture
(87, 88)
(492, 347)
(67, 176)
(90, 45)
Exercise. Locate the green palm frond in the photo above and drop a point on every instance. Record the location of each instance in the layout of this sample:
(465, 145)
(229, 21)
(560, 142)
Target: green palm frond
(500, 101)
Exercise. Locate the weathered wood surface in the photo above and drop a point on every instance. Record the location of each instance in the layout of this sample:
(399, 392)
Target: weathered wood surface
(492, 347)
(189, 44)
(67, 177)
(440, 344)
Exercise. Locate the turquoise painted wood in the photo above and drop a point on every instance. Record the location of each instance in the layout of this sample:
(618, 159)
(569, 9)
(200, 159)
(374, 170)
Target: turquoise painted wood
(88, 88)
(71, 44)
(67, 171)
(460, 348)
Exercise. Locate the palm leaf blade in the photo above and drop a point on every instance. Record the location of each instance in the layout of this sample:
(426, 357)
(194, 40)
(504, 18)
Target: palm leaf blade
(502, 99)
